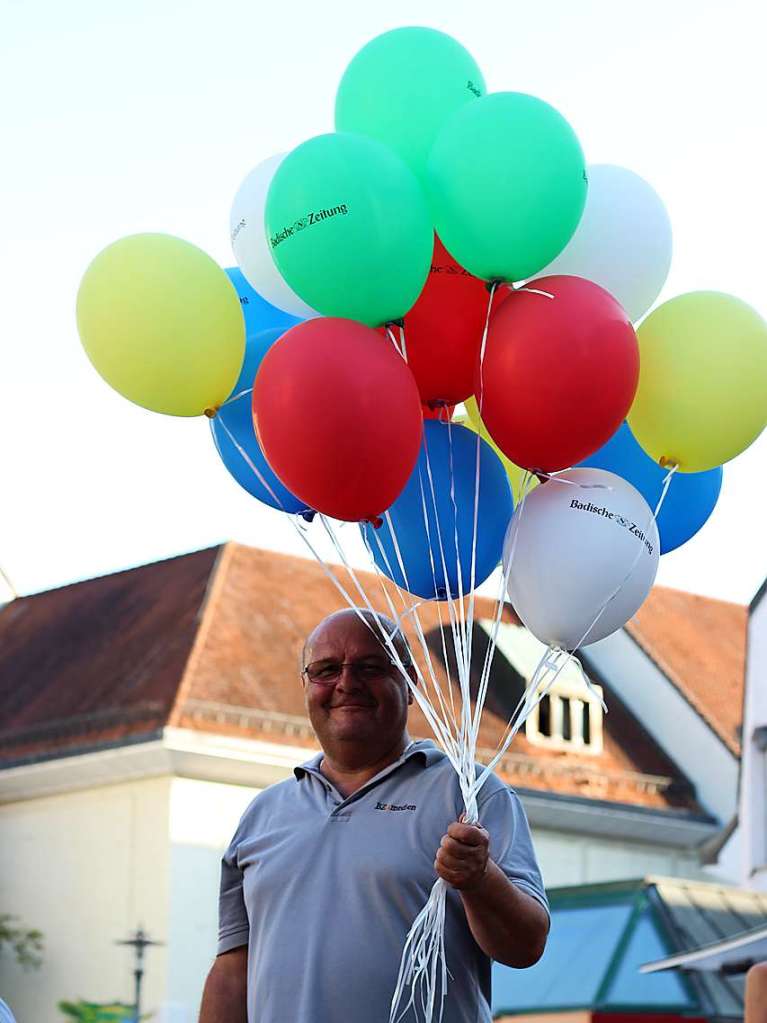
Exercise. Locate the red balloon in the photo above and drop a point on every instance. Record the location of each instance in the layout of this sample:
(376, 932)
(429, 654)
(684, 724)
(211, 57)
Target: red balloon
(559, 374)
(338, 417)
(443, 330)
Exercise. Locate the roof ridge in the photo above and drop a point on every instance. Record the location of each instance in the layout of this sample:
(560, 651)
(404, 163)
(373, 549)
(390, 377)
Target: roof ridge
(212, 592)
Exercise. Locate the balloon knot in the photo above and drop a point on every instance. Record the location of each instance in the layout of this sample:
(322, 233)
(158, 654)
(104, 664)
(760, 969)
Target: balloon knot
(496, 282)
(436, 403)
(211, 413)
(667, 463)
(376, 522)
(395, 323)
(308, 515)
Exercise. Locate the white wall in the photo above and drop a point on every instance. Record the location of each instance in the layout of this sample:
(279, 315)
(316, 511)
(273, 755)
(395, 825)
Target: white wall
(203, 818)
(753, 784)
(86, 868)
(567, 859)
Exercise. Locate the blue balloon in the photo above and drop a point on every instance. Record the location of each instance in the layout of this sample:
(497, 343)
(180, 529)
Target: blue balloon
(259, 314)
(691, 495)
(452, 456)
(238, 418)
(256, 347)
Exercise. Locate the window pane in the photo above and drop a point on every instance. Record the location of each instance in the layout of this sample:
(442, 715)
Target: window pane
(544, 716)
(586, 724)
(567, 725)
(630, 987)
(579, 949)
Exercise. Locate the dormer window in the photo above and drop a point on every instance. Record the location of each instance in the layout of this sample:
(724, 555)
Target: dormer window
(569, 717)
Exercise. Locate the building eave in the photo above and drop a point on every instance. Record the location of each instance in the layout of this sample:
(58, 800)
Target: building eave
(232, 760)
(171, 752)
(673, 828)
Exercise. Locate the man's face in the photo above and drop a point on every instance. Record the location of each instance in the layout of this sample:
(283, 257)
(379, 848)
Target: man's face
(364, 707)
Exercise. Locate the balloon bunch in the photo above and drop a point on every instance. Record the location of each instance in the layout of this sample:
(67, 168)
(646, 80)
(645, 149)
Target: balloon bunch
(446, 245)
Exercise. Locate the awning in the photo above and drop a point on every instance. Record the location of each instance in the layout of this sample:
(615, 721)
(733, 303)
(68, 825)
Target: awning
(731, 955)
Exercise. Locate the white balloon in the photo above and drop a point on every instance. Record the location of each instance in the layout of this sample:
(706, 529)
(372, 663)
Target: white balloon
(251, 246)
(623, 241)
(574, 547)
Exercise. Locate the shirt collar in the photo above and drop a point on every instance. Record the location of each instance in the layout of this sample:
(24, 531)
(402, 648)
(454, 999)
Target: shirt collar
(423, 749)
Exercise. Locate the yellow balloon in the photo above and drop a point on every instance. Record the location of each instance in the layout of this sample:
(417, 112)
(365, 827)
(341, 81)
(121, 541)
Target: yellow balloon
(162, 324)
(515, 474)
(702, 396)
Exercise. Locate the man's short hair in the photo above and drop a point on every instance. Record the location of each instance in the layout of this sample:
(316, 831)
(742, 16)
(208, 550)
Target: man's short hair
(375, 622)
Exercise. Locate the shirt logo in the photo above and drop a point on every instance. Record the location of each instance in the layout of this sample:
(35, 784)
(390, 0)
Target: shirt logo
(395, 806)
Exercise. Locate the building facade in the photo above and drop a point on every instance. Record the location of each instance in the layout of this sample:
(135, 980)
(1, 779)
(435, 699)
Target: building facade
(142, 712)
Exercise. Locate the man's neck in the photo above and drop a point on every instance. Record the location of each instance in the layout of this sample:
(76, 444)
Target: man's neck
(349, 774)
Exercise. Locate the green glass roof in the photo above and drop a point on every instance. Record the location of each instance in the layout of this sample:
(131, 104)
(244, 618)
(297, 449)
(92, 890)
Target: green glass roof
(597, 943)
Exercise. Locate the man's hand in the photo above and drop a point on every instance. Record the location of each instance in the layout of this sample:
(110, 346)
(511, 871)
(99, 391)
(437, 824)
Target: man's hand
(463, 856)
(509, 925)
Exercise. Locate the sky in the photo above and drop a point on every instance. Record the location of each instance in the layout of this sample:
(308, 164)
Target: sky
(119, 118)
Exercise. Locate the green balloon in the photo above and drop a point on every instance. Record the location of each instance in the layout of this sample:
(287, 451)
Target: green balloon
(507, 185)
(349, 228)
(403, 86)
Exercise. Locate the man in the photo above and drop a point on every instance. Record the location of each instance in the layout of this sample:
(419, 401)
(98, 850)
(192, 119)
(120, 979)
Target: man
(328, 870)
(755, 1008)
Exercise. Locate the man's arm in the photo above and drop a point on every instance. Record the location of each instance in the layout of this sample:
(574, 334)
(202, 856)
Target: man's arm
(756, 994)
(509, 925)
(225, 996)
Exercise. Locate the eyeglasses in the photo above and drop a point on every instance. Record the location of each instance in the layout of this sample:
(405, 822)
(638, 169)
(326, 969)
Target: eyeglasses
(327, 673)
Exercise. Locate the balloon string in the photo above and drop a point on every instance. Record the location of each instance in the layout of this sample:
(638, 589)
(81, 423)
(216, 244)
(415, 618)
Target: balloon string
(236, 397)
(419, 694)
(248, 460)
(554, 478)
(431, 714)
(442, 629)
(456, 618)
(399, 345)
(494, 285)
(447, 717)
(395, 541)
(537, 689)
(445, 588)
(531, 291)
(390, 523)
(490, 652)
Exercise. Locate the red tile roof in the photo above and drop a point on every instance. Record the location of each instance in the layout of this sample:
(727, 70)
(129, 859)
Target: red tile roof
(211, 641)
(98, 660)
(700, 645)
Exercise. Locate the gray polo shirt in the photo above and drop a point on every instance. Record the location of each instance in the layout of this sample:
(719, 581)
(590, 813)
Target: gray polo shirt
(323, 890)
